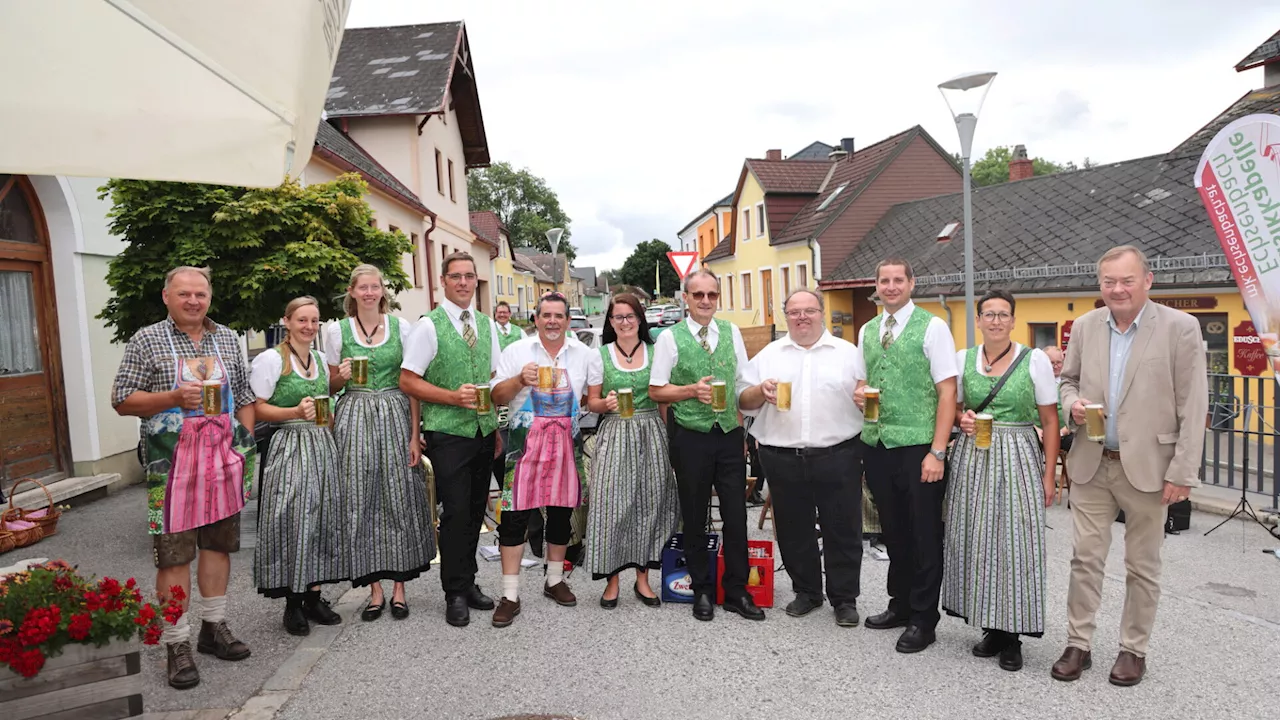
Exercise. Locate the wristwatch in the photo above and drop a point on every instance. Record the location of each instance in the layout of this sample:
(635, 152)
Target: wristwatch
(940, 454)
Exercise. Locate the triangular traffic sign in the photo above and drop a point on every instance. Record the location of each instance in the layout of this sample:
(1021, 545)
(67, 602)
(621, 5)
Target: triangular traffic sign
(684, 262)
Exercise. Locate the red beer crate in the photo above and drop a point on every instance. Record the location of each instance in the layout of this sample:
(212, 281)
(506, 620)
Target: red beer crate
(760, 569)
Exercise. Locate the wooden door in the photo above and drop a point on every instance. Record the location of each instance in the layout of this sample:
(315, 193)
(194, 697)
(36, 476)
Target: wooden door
(34, 440)
(766, 295)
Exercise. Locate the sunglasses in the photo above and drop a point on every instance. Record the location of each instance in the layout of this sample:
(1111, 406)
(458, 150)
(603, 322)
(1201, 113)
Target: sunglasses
(713, 295)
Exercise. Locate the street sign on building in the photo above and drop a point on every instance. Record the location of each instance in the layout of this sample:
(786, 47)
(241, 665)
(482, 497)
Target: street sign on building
(1248, 357)
(684, 262)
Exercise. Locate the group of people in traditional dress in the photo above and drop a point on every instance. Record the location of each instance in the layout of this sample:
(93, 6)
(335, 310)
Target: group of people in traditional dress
(958, 451)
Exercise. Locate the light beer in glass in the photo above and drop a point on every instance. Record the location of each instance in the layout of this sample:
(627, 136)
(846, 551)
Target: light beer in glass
(871, 404)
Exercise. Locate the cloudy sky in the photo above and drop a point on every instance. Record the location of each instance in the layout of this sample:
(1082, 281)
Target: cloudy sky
(639, 115)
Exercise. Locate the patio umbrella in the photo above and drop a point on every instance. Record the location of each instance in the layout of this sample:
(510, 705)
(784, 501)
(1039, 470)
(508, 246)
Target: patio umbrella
(226, 91)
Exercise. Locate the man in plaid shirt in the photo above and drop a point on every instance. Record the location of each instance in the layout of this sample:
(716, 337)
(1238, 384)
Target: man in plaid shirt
(186, 378)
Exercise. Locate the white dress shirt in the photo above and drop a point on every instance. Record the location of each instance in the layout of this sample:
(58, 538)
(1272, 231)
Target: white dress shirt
(584, 365)
(333, 337)
(939, 346)
(423, 345)
(823, 378)
(1046, 385)
(666, 354)
(264, 374)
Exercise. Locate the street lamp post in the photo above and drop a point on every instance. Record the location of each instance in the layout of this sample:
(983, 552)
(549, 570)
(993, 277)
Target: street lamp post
(553, 237)
(968, 103)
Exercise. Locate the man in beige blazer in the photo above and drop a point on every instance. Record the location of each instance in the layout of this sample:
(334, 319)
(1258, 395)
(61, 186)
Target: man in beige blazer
(1144, 363)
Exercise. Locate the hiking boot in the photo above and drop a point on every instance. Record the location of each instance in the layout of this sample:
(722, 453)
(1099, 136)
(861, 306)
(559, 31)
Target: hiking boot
(182, 666)
(216, 640)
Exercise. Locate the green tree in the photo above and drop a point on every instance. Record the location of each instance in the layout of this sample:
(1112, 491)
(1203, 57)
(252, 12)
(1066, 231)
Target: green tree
(524, 203)
(993, 168)
(638, 270)
(264, 246)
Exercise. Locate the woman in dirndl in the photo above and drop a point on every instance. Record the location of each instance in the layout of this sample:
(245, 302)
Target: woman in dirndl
(993, 574)
(301, 503)
(634, 508)
(388, 533)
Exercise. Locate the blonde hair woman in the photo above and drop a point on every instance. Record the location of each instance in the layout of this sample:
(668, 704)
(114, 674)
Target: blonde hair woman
(302, 506)
(389, 533)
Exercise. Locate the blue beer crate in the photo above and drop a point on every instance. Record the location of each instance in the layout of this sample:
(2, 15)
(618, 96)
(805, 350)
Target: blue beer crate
(676, 586)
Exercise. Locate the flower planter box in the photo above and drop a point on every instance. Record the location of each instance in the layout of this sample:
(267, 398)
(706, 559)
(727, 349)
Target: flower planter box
(84, 682)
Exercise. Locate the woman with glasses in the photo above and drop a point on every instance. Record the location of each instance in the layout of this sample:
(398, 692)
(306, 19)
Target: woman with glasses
(633, 502)
(1001, 483)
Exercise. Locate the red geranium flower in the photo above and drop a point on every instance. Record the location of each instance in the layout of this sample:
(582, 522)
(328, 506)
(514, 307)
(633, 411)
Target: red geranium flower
(9, 648)
(80, 626)
(93, 601)
(131, 583)
(27, 664)
(39, 625)
(109, 586)
(176, 592)
(146, 614)
(152, 635)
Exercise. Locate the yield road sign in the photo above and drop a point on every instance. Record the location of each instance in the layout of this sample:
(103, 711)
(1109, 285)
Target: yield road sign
(684, 262)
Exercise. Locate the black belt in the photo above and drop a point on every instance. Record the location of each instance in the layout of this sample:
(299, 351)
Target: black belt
(813, 451)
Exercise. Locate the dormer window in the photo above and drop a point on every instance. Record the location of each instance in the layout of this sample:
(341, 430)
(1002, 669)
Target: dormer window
(948, 231)
(830, 197)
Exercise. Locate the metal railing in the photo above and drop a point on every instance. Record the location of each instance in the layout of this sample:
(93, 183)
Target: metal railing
(1242, 442)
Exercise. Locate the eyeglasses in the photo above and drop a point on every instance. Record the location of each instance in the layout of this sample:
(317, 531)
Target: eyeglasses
(623, 318)
(806, 312)
(455, 277)
(713, 295)
(994, 316)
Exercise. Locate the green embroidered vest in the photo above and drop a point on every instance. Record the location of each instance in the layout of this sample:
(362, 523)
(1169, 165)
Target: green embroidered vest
(292, 388)
(637, 380)
(1016, 401)
(693, 364)
(384, 360)
(513, 334)
(908, 397)
(456, 365)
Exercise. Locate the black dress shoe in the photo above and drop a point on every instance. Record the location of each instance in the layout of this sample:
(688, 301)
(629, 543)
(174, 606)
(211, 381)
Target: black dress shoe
(744, 606)
(295, 620)
(477, 600)
(992, 642)
(608, 604)
(802, 605)
(399, 609)
(649, 601)
(372, 612)
(457, 610)
(703, 608)
(847, 615)
(886, 620)
(1011, 656)
(914, 639)
(318, 611)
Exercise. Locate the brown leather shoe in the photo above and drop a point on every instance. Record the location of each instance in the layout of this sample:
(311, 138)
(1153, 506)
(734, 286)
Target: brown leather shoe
(506, 612)
(1072, 664)
(216, 639)
(1128, 670)
(561, 593)
(182, 666)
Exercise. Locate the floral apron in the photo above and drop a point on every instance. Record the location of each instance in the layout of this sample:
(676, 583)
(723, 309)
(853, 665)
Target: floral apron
(199, 468)
(542, 465)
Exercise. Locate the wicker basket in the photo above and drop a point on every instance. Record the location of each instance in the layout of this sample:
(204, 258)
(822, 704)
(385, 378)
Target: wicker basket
(47, 522)
(6, 541)
(23, 537)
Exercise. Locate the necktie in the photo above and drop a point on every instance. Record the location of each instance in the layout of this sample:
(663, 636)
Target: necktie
(702, 338)
(468, 332)
(887, 339)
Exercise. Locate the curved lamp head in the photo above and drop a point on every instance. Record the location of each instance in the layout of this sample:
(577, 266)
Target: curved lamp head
(553, 237)
(964, 103)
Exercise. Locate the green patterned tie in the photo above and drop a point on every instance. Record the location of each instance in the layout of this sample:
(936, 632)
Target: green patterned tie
(468, 332)
(702, 338)
(887, 339)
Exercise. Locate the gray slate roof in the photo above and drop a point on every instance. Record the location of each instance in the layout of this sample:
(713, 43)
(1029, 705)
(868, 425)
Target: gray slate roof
(526, 263)
(815, 150)
(392, 70)
(332, 140)
(1267, 52)
(586, 274)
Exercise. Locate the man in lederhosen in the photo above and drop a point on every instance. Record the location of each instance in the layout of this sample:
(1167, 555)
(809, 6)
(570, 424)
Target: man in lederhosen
(198, 457)
(450, 352)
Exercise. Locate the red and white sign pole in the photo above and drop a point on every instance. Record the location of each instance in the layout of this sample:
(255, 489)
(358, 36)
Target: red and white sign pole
(684, 262)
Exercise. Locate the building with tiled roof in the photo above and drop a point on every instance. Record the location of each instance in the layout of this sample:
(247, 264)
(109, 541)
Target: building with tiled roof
(1266, 55)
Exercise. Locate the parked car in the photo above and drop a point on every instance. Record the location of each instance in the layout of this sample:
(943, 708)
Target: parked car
(653, 314)
(576, 312)
(578, 323)
(672, 315)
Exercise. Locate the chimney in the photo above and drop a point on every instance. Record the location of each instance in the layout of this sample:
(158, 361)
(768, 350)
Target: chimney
(846, 144)
(1020, 167)
(773, 155)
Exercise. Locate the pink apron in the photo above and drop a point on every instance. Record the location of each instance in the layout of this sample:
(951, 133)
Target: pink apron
(545, 471)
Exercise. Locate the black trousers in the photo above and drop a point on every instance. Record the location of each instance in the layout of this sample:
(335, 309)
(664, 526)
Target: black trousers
(912, 528)
(463, 468)
(823, 484)
(514, 528)
(703, 461)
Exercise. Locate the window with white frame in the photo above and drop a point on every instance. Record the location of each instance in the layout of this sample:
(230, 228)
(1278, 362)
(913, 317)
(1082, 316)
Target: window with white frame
(785, 273)
(729, 287)
(759, 219)
(802, 275)
(746, 224)
(720, 300)
(746, 291)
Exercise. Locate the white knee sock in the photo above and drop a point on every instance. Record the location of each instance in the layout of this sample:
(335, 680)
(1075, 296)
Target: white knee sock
(213, 609)
(555, 572)
(181, 632)
(511, 587)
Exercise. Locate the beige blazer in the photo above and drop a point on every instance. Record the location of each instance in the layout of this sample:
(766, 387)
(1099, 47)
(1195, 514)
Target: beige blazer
(1164, 396)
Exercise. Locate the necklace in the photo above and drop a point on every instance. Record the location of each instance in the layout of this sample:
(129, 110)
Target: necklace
(991, 363)
(306, 366)
(630, 356)
(368, 336)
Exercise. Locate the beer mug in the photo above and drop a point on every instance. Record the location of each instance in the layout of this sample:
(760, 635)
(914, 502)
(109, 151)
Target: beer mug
(626, 402)
(484, 404)
(871, 404)
(719, 396)
(783, 399)
(324, 411)
(360, 371)
(1095, 423)
(546, 377)
(982, 425)
(211, 397)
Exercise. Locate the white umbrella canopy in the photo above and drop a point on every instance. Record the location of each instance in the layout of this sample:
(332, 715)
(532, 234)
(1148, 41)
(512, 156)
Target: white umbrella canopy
(212, 91)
